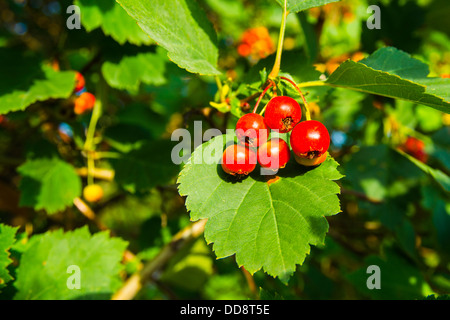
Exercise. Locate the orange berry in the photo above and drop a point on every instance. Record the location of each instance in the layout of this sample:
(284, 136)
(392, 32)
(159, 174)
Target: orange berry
(244, 50)
(84, 102)
(93, 193)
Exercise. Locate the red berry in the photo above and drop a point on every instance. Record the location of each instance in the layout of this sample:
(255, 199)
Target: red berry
(238, 160)
(274, 154)
(416, 148)
(251, 130)
(282, 113)
(79, 82)
(310, 139)
(310, 162)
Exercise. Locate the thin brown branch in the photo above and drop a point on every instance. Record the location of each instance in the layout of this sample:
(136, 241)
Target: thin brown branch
(136, 281)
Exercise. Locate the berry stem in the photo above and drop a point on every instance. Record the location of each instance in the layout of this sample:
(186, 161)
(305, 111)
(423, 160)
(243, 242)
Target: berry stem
(276, 67)
(307, 113)
(262, 95)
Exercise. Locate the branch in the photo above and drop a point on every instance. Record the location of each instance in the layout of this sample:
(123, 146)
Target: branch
(180, 240)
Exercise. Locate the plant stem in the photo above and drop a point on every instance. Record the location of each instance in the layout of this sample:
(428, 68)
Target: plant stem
(276, 67)
(307, 114)
(89, 145)
(262, 95)
(317, 83)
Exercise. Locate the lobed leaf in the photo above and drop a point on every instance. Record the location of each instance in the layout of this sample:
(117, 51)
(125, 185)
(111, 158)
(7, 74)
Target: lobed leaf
(181, 27)
(267, 224)
(43, 272)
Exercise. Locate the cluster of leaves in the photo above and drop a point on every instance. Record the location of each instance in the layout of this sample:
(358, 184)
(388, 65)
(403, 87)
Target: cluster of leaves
(151, 77)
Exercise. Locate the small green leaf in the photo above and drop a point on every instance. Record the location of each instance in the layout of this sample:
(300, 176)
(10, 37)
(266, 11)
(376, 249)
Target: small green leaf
(49, 184)
(43, 272)
(131, 71)
(113, 20)
(30, 81)
(300, 5)
(7, 238)
(182, 28)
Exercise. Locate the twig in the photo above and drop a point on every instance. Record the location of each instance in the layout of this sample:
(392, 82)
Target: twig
(103, 174)
(136, 281)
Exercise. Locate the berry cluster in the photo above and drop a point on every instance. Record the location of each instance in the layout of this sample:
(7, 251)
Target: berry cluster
(256, 43)
(85, 100)
(309, 139)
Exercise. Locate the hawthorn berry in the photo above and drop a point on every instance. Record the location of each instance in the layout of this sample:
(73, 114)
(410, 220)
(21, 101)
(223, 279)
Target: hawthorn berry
(238, 160)
(416, 148)
(310, 140)
(93, 193)
(282, 113)
(84, 102)
(79, 82)
(274, 154)
(251, 130)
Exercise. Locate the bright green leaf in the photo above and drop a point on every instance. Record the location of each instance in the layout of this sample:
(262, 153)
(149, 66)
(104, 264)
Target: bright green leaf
(392, 73)
(7, 238)
(29, 81)
(49, 184)
(43, 271)
(113, 20)
(300, 5)
(182, 28)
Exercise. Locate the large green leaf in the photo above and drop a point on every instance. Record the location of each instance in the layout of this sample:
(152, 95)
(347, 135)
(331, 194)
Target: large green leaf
(300, 5)
(181, 27)
(393, 73)
(7, 238)
(49, 184)
(43, 272)
(268, 225)
(29, 81)
(113, 20)
(131, 71)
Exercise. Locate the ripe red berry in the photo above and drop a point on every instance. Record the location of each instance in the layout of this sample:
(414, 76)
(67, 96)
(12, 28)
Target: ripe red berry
(238, 160)
(416, 148)
(310, 139)
(282, 113)
(79, 82)
(251, 130)
(274, 154)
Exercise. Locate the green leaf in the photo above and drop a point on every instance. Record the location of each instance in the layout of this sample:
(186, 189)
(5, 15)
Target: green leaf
(439, 176)
(181, 27)
(146, 167)
(300, 5)
(113, 20)
(393, 73)
(267, 225)
(43, 271)
(7, 238)
(131, 71)
(30, 81)
(49, 184)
